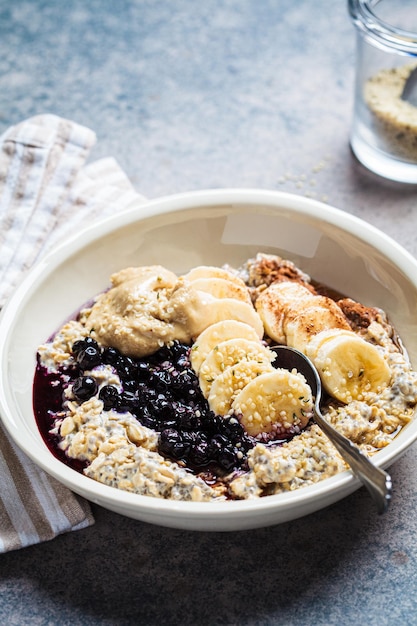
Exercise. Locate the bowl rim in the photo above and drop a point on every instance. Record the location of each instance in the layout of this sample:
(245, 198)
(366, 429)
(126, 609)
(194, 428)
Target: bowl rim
(138, 211)
(234, 196)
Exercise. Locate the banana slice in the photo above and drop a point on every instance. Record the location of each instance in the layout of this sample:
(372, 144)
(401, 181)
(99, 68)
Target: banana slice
(215, 334)
(318, 340)
(272, 305)
(209, 271)
(229, 353)
(220, 309)
(350, 367)
(301, 324)
(289, 291)
(222, 288)
(277, 402)
(231, 382)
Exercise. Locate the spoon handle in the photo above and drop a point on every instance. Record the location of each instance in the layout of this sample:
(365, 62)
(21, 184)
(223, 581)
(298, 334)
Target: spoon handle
(376, 480)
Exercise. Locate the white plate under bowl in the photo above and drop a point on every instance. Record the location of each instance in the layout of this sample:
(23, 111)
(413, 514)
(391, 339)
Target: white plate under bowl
(182, 231)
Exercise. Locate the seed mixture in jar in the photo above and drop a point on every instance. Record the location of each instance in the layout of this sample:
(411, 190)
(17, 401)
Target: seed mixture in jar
(394, 118)
(167, 386)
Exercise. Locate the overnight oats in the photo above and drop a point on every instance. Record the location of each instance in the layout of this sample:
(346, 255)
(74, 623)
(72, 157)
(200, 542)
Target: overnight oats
(167, 385)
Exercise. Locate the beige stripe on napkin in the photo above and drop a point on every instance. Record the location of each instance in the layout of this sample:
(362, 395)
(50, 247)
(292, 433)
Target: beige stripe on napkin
(34, 507)
(45, 155)
(46, 194)
(101, 190)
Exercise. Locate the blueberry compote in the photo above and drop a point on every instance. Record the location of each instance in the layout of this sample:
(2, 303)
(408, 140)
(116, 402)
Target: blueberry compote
(162, 392)
(47, 405)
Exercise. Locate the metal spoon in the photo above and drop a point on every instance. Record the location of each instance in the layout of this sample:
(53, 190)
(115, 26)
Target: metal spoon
(377, 481)
(409, 93)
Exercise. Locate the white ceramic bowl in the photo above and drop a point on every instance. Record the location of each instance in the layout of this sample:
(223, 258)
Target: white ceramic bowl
(208, 227)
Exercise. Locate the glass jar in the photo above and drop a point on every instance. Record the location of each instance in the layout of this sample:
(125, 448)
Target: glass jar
(384, 127)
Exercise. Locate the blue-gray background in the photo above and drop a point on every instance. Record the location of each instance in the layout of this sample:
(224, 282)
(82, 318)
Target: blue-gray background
(200, 94)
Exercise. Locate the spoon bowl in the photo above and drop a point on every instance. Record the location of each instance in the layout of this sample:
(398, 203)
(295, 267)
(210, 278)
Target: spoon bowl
(376, 480)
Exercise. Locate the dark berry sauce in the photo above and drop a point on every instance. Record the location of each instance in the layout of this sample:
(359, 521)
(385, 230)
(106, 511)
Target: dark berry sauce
(48, 391)
(161, 391)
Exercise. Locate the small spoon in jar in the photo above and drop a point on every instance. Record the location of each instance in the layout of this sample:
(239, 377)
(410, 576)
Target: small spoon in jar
(376, 480)
(409, 93)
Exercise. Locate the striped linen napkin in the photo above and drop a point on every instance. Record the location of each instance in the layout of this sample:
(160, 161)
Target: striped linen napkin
(46, 193)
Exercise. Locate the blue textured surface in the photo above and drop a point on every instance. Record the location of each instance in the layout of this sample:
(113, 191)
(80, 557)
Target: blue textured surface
(188, 95)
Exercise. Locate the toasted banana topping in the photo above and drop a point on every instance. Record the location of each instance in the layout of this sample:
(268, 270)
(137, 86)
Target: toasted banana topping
(304, 322)
(273, 305)
(348, 365)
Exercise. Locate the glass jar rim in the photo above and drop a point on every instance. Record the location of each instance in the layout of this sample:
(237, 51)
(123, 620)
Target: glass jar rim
(379, 31)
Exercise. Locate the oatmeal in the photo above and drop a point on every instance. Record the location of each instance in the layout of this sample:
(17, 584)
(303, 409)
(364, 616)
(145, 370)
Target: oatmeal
(167, 387)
